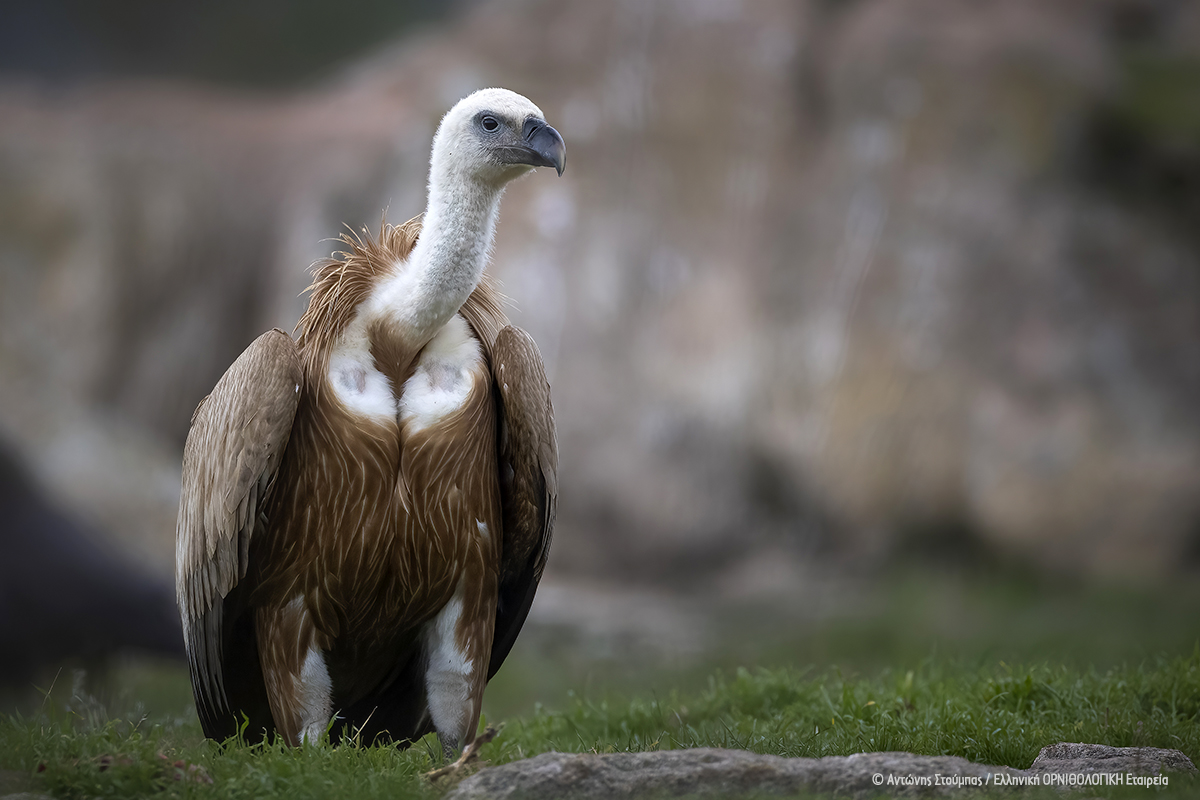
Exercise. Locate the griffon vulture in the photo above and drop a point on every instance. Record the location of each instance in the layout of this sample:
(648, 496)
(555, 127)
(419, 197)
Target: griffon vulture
(366, 511)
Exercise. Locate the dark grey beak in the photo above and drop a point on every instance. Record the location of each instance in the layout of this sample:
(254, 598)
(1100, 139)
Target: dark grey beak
(542, 147)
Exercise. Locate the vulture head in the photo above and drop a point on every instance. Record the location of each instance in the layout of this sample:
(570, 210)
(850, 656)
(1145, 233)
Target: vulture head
(493, 136)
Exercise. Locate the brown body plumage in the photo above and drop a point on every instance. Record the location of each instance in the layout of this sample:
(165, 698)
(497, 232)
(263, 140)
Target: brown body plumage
(337, 566)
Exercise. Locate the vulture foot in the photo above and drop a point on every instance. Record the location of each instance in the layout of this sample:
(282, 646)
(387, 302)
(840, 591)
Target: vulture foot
(469, 755)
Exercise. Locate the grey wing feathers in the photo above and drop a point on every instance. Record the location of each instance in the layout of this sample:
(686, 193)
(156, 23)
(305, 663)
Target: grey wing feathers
(233, 451)
(528, 451)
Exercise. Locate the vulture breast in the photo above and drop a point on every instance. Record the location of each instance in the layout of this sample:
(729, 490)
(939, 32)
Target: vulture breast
(446, 373)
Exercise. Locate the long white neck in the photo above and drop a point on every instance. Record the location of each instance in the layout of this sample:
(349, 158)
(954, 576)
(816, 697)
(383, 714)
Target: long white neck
(448, 259)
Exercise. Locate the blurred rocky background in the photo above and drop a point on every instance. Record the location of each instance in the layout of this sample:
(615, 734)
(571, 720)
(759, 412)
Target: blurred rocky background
(825, 284)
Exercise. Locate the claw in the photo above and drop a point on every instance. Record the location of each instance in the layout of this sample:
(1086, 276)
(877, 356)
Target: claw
(470, 754)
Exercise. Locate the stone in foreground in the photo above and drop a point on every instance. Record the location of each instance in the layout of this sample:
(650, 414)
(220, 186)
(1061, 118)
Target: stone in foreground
(707, 772)
(1079, 757)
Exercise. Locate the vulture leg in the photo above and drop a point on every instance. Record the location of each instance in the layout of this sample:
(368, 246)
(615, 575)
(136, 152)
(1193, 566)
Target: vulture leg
(457, 643)
(294, 670)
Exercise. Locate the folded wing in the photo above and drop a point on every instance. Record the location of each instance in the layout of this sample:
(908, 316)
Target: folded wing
(528, 462)
(237, 440)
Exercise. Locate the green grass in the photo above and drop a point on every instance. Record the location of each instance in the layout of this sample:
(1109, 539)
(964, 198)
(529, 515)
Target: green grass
(989, 712)
(996, 714)
(875, 623)
(990, 667)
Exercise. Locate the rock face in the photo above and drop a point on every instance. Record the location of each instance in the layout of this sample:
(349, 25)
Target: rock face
(707, 772)
(1078, 757)
(818, 274)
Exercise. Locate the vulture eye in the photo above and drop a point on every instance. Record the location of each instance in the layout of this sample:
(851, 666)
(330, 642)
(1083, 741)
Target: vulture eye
(489, 124)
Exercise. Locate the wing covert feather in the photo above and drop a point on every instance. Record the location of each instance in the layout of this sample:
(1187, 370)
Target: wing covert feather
(528, 450)
(237, 439)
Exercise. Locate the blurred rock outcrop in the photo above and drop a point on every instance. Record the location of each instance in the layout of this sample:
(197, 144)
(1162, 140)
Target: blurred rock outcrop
(819, 275)
(63, 594)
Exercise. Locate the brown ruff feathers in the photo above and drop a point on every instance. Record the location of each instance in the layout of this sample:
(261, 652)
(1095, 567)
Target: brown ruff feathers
(341, 283)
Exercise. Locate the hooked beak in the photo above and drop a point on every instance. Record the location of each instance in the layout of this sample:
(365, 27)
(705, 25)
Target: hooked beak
(541, 146)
